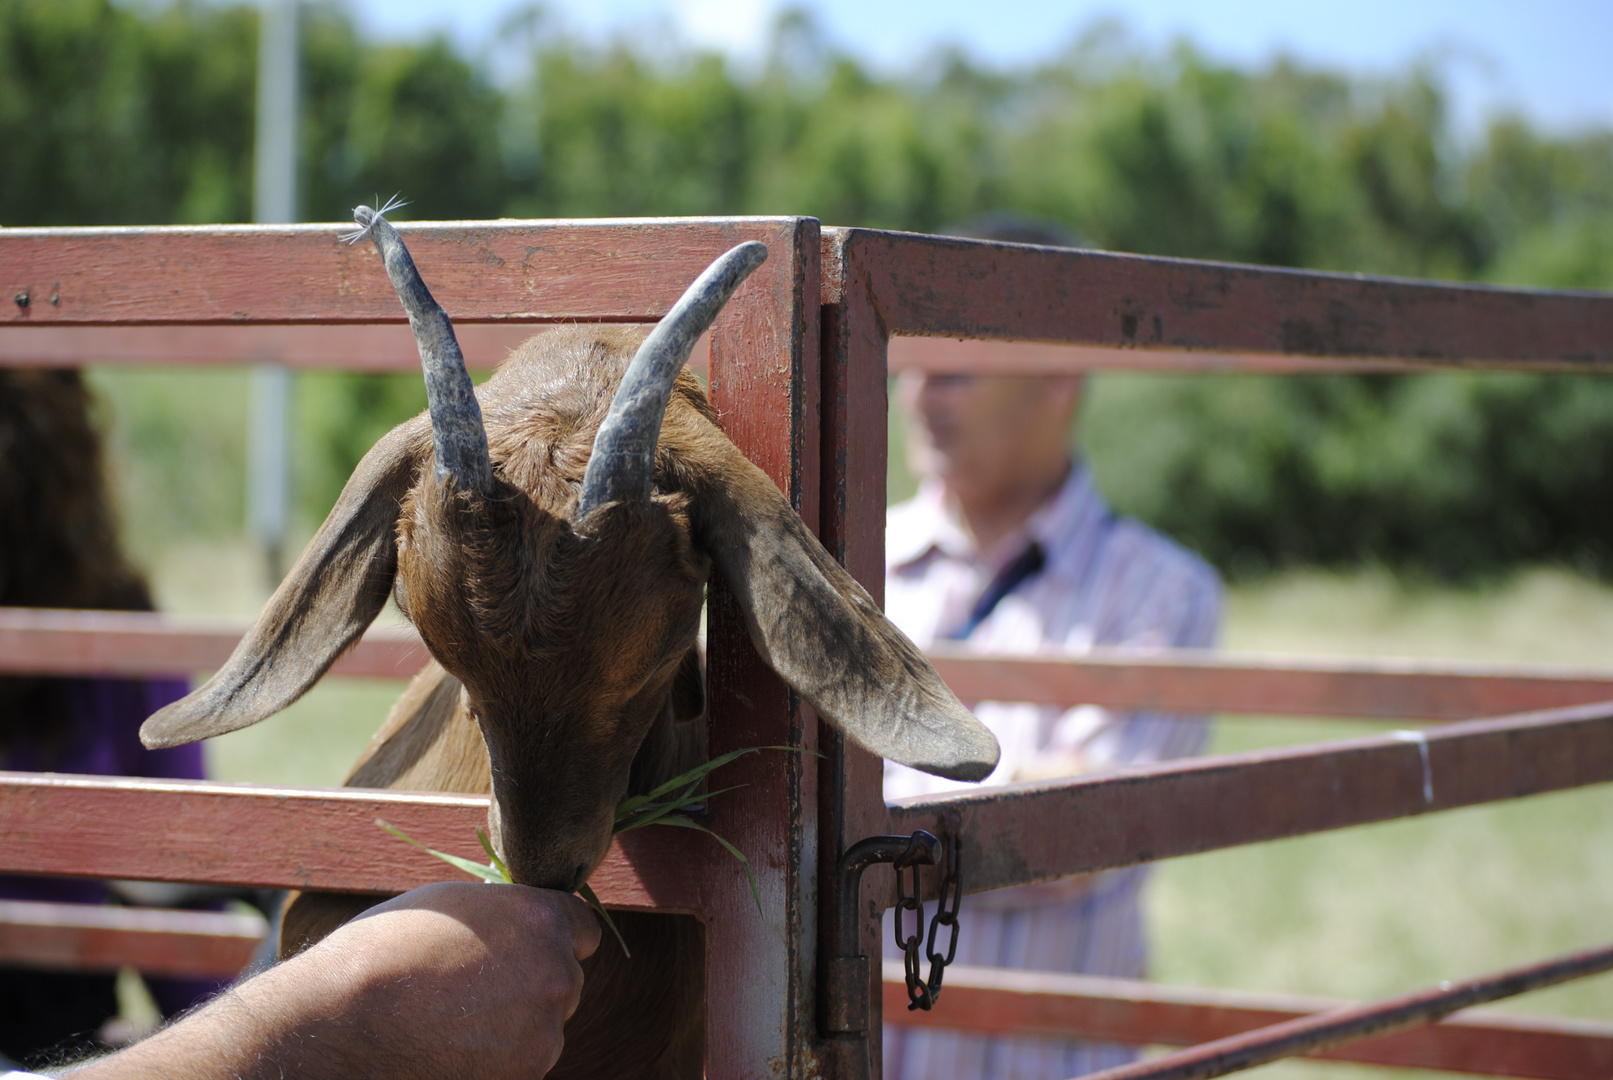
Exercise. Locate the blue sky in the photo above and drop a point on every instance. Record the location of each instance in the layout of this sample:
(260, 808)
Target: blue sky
(1549, 58)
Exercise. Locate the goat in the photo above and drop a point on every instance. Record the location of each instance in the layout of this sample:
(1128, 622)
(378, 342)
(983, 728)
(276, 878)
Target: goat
(554, 555)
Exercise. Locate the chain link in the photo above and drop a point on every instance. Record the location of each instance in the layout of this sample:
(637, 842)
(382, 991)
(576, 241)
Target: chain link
(947, 902)
(909, 899)
(922, 993)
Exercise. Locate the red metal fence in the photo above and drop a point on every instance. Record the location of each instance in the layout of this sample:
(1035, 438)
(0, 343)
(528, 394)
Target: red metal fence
(797, 370)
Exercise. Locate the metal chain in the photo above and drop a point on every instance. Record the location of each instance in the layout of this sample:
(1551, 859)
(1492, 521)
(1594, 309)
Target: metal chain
(911, 944)
(947, 903)
(922, 993)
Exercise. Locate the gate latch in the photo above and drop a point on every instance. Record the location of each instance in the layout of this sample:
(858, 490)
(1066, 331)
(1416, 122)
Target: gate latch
(922, 993)
(849, 976)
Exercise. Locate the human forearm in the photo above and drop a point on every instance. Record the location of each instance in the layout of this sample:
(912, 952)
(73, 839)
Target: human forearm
(292, 1020)
(448, 981)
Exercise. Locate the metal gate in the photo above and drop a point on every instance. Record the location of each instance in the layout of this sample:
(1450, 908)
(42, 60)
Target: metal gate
(798, 373)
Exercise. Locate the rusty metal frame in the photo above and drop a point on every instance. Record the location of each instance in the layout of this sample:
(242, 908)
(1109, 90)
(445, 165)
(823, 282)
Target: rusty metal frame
(255, 293)
(1023, 833)
(798, 371)
(1092, 309)
(991, 1001)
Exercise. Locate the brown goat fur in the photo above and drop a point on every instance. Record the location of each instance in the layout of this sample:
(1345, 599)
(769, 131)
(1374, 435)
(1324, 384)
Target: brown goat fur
(430, 743)
(569, 641)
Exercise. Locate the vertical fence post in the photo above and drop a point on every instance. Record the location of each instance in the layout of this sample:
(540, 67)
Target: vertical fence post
(274, 202)
(851, 800)
(764, 384)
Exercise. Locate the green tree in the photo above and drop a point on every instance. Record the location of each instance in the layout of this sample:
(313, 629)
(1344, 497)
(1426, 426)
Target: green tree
(117, 116)
(1136, 149)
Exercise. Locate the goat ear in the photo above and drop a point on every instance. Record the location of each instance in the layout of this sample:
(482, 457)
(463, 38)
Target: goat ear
(826, 637)
(336, 589)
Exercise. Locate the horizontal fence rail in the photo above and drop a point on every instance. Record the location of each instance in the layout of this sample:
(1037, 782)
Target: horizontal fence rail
(988, 1001)
(96, 937)
(953, 356)
(371, 348)
(1117, 310)
(1022, 833)
(941, 287)
(522, 271)
(1191, 680)
(43, 641)
(992, 1001)
(59, 642)
(300, 838)
(391, 348)
(326, 838)
(1353, 1023)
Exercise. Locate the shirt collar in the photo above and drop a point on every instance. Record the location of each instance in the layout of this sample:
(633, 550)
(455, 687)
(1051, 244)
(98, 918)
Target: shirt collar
(927, 524)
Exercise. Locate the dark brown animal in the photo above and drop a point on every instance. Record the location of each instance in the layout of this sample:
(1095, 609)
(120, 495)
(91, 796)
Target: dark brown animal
(58, 534)
(552, 544)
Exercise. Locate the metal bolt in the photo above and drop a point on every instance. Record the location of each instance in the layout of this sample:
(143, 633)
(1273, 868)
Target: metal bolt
(21, 298)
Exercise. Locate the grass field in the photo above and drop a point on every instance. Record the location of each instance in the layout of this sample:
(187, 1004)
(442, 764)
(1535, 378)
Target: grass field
(1364, 912)
(1387, 908)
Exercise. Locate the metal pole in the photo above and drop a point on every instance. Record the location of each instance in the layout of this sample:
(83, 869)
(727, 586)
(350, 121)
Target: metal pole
(1356, 1022)
(274, 201)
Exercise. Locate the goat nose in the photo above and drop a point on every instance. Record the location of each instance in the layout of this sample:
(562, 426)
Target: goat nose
(579, 877)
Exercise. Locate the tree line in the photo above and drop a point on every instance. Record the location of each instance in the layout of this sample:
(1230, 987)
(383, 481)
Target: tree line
(142, 114)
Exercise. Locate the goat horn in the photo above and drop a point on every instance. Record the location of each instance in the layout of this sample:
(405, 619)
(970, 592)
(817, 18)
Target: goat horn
(457, 434)
(622, 464)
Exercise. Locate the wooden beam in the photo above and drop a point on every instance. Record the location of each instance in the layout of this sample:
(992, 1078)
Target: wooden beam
(934, 286)
(303, 838)
(96, 937)
(520, 271)
(1191, 680)
(992, 1001)
(1353, 1023)
(1021, 833)
(63, 642)
(44, 641)
(972, 356)
(385, 347)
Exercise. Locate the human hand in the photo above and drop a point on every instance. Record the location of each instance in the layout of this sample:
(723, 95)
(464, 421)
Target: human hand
(450, 980)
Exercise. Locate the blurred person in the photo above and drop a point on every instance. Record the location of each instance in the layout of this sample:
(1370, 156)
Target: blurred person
(1008, 547)
(458, 979)
(59, 549)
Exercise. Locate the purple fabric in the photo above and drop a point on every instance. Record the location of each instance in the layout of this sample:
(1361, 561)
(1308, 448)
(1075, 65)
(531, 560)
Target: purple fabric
(105, 741)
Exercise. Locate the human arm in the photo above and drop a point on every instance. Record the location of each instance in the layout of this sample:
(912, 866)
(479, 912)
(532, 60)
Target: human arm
(450, 980)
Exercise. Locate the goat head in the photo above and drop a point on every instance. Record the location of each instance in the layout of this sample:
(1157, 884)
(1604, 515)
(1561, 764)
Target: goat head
(551, 536)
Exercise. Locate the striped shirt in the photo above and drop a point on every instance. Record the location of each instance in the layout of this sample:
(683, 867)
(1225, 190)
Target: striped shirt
(1101, 580)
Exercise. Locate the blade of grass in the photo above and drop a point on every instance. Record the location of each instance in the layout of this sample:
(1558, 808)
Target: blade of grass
(475, 869)
(492, 856)
(593, 901)
(683, 798)
(655, 813)
(696, 774)
(634, 813)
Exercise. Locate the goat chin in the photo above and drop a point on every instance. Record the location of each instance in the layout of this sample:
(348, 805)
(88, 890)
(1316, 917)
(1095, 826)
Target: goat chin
(638, 1019)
